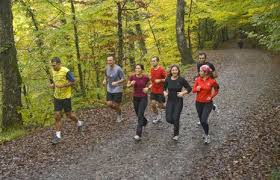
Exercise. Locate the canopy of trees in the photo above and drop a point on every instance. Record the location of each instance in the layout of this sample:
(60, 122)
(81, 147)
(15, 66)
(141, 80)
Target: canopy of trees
(83, 32)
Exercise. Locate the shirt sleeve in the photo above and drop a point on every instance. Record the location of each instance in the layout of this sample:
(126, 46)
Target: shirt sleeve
(70, 76)
(216, 88)
(147, 79)
(212, 66)
(165, 84)
(164, 74)
(121, 74)
(194, 90)
(186, 85)
(198, 67)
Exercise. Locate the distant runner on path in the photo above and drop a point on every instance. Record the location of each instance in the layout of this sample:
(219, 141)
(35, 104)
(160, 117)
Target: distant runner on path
(158, 76)
(63, 80)
(114, 78)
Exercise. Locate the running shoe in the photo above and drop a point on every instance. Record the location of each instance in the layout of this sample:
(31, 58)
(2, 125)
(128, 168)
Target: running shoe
(55, 140)
(175, 138)
(137, 138)
(206, 139)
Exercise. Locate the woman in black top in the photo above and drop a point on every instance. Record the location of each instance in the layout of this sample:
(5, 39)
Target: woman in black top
(173, 90)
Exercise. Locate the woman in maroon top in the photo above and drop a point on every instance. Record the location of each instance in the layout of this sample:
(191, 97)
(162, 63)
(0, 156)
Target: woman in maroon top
(140, 83)
(206, 88)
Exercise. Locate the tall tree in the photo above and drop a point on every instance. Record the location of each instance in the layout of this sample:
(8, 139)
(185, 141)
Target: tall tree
(120, 7)
(185, 51)
(81, 77)
(11, 79)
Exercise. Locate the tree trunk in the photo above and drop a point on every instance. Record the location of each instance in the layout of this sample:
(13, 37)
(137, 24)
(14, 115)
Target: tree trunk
(82, 86)
(120, 35)
(156, 41)
(11, 79)
(131, 51)
(141, 38)
(189, 29)
(186, 56)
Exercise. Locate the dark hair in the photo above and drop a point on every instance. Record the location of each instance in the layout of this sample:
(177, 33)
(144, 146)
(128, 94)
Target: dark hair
(141, 66)
(56, 60)
(202, 53)
(156, 57)
(174, 65)
(111, 54)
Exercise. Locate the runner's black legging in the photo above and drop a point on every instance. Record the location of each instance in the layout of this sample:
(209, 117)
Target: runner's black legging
(203, 111)
(173, 112)
(140, 104)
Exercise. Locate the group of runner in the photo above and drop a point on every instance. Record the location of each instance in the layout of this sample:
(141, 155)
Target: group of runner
(167, 90)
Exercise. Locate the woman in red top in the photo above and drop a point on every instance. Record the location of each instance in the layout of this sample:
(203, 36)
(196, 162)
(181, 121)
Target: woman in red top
(206, 88)
(140, 83)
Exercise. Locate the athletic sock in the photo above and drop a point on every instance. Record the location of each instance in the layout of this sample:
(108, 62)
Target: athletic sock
(58, 134)
(80, 123)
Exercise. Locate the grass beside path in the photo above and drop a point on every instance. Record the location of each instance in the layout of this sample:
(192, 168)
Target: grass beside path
(11, 134)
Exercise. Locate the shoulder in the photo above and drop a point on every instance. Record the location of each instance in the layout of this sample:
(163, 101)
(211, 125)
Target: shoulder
(211, 65)
(64, 69)
(132, 77)
(118, 67)
(182, 79)
(161, 68)
(145, 76)
(198, 79)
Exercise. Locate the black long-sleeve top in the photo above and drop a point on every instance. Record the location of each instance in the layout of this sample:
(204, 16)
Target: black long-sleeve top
(175, 86)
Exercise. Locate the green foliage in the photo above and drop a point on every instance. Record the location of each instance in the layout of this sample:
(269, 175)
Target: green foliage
(11, 134)
(275, 175)
(209, 23)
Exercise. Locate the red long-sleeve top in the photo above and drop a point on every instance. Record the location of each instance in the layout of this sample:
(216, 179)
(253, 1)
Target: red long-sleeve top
(209, 88)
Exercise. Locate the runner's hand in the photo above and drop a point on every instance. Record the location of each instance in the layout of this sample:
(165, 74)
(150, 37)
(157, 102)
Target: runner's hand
(104, 82)
(157, 80)
(59, 86)
(165, 93)
(198, 88)
(51, 86)
(180, 94)
(146, 90)
(114, 83)
(132, 82)
(209, 98)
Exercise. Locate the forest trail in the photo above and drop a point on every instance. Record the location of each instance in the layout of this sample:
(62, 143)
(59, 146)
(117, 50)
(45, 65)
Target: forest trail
(248, 79)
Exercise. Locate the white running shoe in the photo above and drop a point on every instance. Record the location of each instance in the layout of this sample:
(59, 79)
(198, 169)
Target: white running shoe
(198, 123)
(119, 118)
(137, 138)
(206, 139)
(175, 138)
(215, 108)
(157, 119)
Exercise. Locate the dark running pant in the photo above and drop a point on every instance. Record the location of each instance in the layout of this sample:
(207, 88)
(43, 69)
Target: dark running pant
(203, 111)
(140, 104)
(173, 112)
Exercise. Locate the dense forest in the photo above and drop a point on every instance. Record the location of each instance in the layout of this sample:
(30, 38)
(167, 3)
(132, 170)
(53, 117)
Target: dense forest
(83, 32)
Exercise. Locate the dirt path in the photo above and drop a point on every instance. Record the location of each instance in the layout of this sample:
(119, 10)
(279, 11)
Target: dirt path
(248, 78)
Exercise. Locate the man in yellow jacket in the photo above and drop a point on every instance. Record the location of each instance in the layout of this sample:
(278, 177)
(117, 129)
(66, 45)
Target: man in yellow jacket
(63, 80)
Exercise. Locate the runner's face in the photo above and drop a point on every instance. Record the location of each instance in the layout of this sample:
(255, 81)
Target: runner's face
(154, 62)
(202, 73)
(174, 71)
(55, 66)
(110, 61)
(138, 70)
(201, 59)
